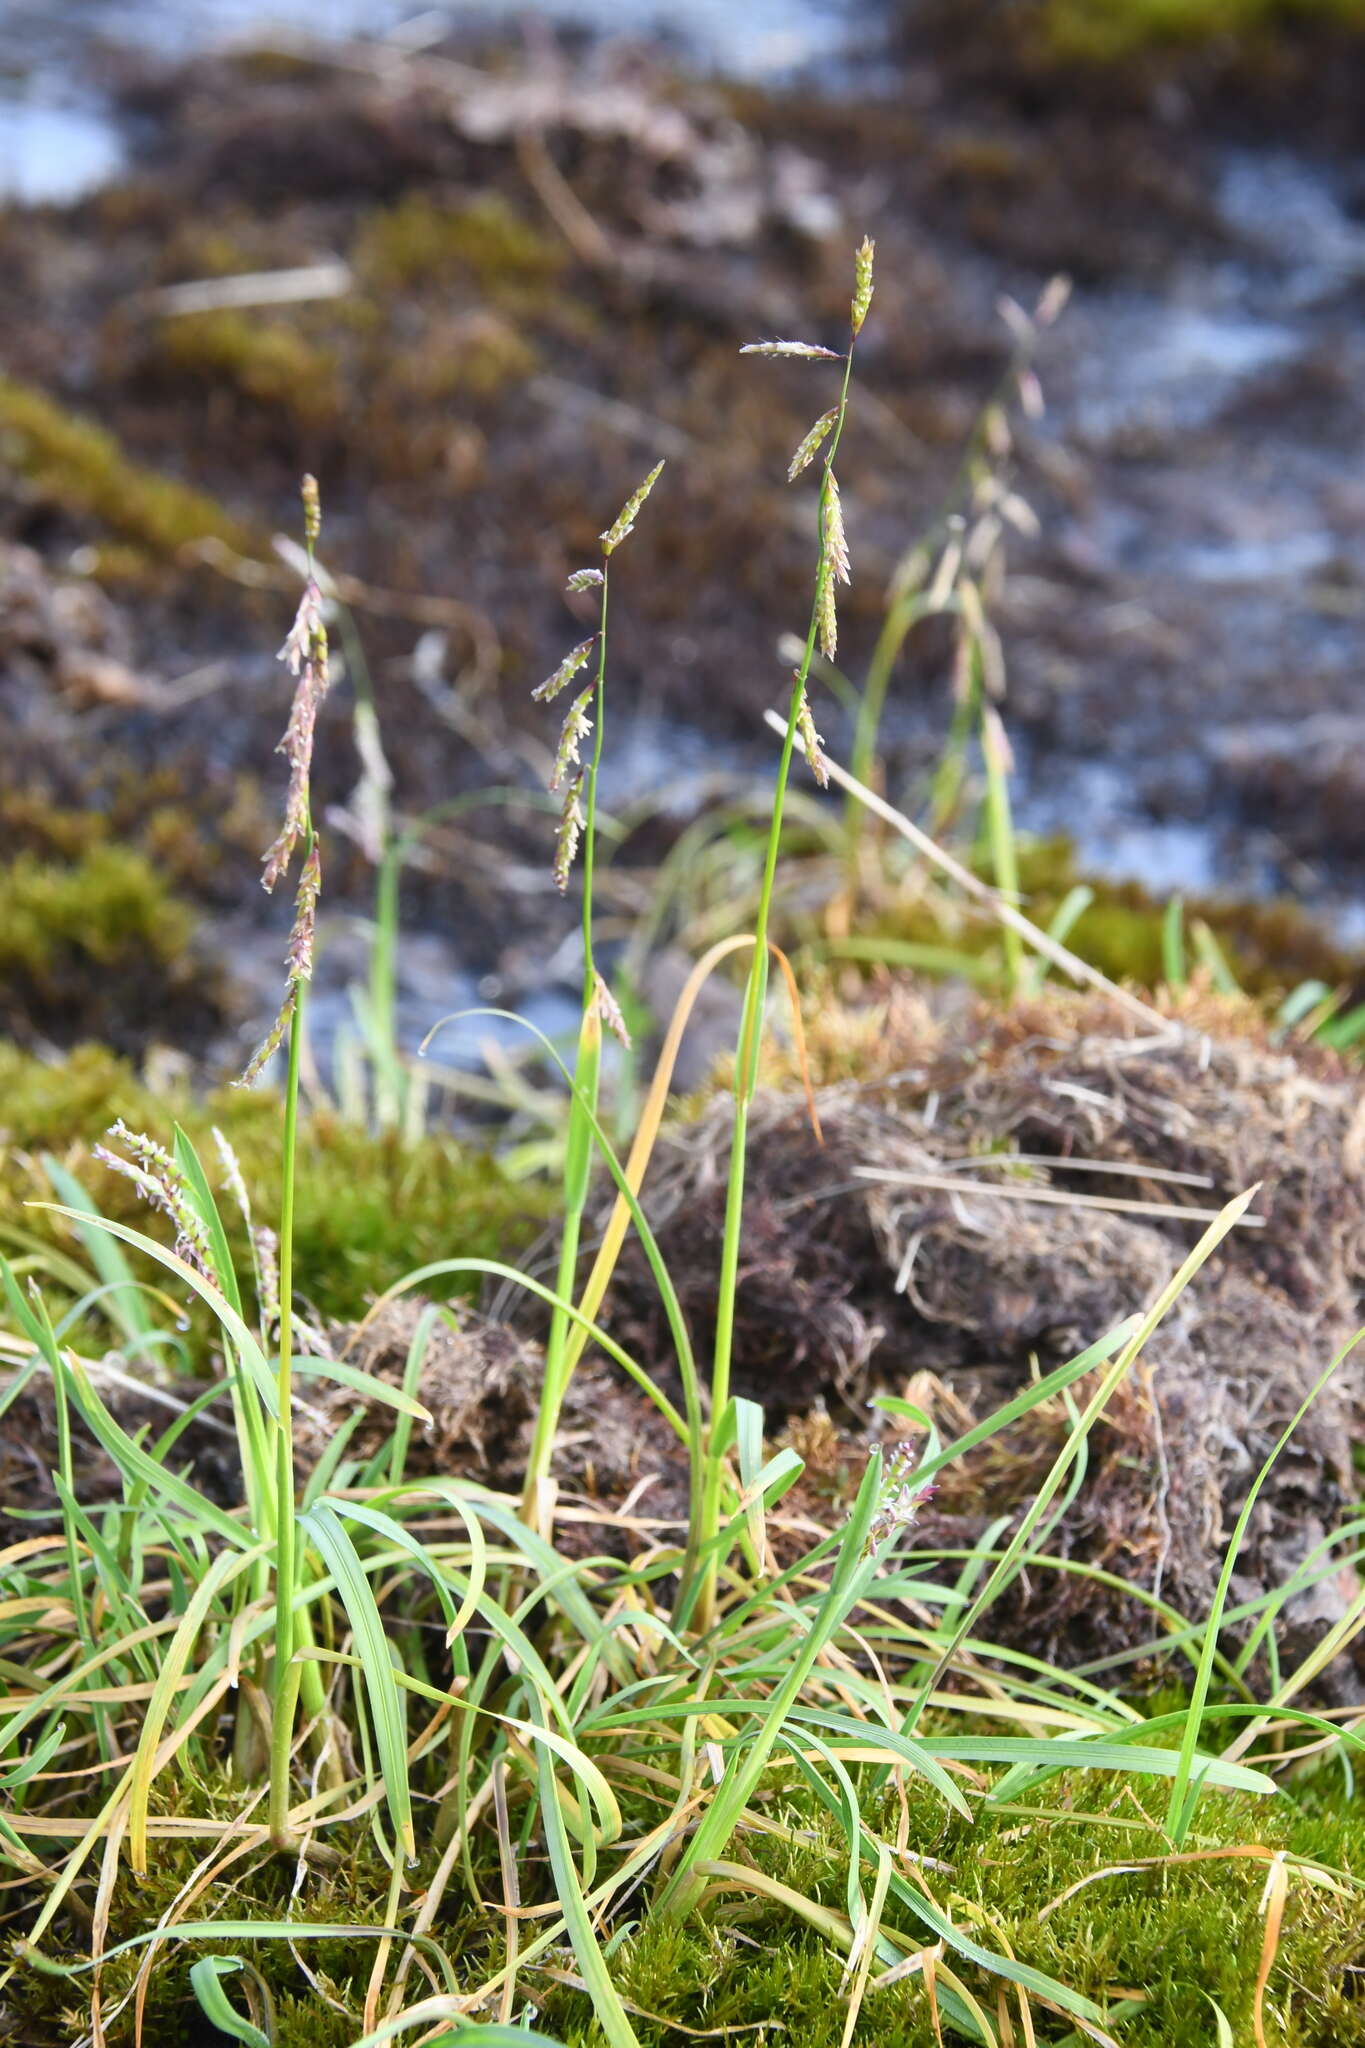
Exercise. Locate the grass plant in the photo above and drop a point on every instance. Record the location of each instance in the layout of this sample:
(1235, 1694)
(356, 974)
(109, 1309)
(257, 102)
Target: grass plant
(380, 1754)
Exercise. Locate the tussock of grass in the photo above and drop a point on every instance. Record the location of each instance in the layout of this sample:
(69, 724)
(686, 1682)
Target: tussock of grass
(624, 1774)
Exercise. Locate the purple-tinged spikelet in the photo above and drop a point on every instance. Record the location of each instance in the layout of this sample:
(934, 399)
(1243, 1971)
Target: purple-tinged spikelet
(805, 349)
(546, 692)
(862, 282)
(810, 447)
(624, 521)
(901, 1497)
(272, 1041)
(571, 824)
(304, 654)
(584, 579)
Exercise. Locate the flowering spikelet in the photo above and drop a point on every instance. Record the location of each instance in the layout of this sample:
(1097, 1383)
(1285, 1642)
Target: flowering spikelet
(546, 692)
(271, 1043)
(584, 579)
(608, 1009)
(809, 448)
(810, 740)
(304, 654)
(577, 725)
(828, 617)
(791, 348)
(299, 957)
(267, 1248)
(159, 1180)
(834, 541)
(570, 830)
(233, 1179)
(626, 517)
(901, 1497)
(862, 282)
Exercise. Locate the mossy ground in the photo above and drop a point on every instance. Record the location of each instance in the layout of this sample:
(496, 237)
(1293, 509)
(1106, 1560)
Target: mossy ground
(99, 944)
(1153, 1945)
(80, 466)
(1106, 31)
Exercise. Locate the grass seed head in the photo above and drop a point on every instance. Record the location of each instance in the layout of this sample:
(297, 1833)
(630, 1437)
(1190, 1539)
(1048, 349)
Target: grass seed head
(546, 692)
(807, 349)
(810, 740)
(304, 654)
(902, 1496)
(810, 447)
(162, 1185)
(862, 282)
(828, 618)
(571, 822)
(584, 579)
(834, 539)
(312, 511)
(609, 1010)
(576, 728)
(625, 519)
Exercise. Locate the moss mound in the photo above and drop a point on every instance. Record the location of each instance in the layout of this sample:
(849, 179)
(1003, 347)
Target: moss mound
(369, 1208)
(99, 944)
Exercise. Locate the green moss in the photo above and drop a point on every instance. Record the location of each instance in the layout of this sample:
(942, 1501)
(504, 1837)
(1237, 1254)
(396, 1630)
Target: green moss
(478, 356)
(1104, 31)
(84, 470)
(268, 361)
(369, 1209)
(97, 945)
(424, 241)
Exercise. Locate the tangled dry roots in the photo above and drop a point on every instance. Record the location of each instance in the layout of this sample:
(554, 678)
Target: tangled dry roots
(850, 1282)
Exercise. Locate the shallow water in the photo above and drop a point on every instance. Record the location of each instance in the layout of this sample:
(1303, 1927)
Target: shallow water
(60, 140)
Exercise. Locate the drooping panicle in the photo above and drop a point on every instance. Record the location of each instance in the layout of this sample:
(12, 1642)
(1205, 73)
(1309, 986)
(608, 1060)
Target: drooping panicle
(159, 1180)
(624, 521)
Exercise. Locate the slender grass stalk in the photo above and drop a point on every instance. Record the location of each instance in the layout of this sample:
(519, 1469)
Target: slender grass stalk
(287, 1674)
(598, 1006)
(821, 626)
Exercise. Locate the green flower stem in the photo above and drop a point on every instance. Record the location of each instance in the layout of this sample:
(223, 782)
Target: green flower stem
(746, 1079)
(579, 1143)
(287, 1674)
